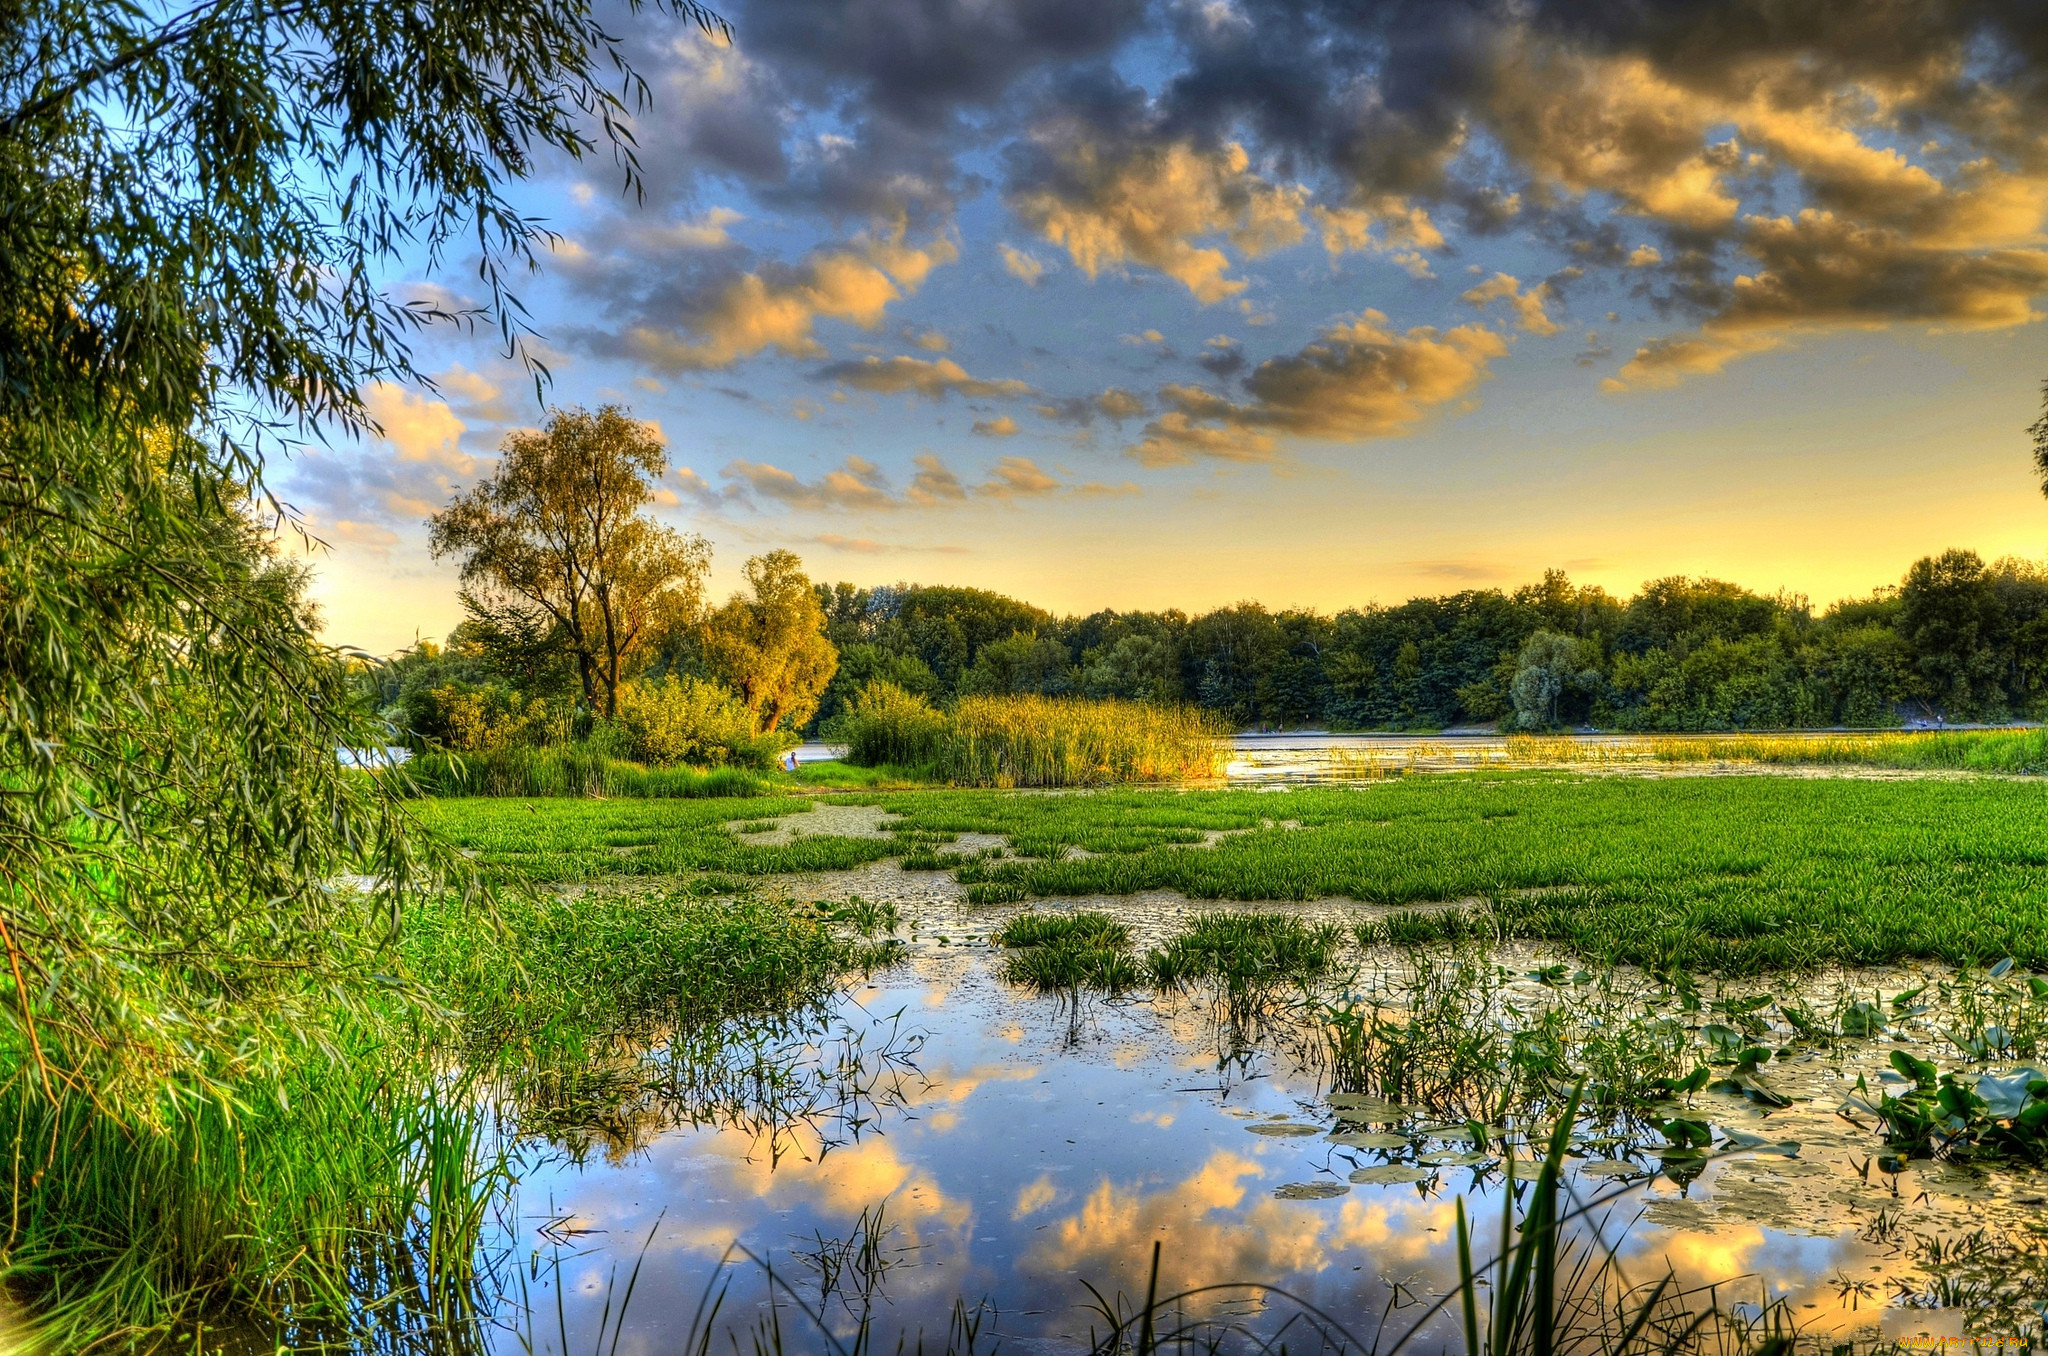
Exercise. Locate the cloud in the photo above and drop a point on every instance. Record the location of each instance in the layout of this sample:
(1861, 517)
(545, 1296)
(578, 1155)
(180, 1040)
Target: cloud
(1527, 305)
(1110, 206)
(868, 546)
(931, 341)
(1017, 478)
(1019, 264)
(1003, 426)
(673, 326)
(933, 379)
(1359, 380)
(934, 484)
(858, 484)
(1115, 402)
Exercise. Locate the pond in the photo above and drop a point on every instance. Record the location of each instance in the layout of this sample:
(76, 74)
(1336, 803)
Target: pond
(942, 1155)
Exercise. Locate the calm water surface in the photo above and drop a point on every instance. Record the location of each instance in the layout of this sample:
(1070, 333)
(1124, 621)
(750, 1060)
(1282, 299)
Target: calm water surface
(1015, 1146)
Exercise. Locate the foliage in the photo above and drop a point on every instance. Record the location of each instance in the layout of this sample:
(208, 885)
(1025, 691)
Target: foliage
(888, 727)
(1550, 668)
(1032, 741)
(669, 721)
(1052, 741)
(1730, 874)
(554, 541)
(771, 648)
(1055, 951)
(1962, 639)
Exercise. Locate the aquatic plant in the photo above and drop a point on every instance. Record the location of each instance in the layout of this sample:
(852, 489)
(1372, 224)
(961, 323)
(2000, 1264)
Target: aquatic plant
(1066, 951)
(1027, 740)
(1243, 949)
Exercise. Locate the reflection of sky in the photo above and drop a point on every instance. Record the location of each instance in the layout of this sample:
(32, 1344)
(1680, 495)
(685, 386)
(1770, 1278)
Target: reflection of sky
(1045, 1149)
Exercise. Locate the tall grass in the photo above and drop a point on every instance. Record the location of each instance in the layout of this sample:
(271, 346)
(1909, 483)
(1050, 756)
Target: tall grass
(1035, 741)
(1998, 751)
(569, 770)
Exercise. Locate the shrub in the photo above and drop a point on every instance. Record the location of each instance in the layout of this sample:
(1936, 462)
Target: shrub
(886, 726)
(672, 721)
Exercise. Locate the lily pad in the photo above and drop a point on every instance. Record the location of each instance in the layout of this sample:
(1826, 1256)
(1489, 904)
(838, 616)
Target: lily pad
(1611, 1167)
(1311, 1191)
(1357, 1106)
(1387, 1173)
(1451, 1158)
(1743, 1140)
(1284, 1129)
(1378, 1139)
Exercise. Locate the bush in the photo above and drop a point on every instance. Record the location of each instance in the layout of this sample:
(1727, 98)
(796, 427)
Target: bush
(887, 727)
(672, 721)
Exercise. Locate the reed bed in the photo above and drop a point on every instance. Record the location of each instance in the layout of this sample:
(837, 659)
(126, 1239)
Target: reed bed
(1035, 741)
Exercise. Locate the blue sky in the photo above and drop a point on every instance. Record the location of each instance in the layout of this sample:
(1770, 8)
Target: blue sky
(1146, 305)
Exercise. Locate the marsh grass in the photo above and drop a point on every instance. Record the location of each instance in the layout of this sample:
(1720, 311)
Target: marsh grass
(568, 770)
(1066, 951)
(1034, 741)
(1239, 950)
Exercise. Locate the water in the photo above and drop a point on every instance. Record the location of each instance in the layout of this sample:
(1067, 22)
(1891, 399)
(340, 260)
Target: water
(1014, 1150)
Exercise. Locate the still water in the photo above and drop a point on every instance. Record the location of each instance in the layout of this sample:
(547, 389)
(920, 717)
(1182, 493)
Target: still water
(989, 1157)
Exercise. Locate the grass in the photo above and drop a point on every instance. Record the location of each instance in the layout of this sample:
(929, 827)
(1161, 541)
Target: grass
(1733, 874)
(567, 770)
(1034, 741)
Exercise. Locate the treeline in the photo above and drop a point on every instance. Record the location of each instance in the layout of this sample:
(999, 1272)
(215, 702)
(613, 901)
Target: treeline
(1956, 639)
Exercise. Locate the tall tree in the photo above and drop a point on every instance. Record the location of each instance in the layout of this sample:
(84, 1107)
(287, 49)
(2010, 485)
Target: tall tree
(771, 647)
(1950, 617)
(557, 534)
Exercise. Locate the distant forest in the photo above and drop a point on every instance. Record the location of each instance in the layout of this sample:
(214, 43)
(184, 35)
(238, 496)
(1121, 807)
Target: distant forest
(1956, 639)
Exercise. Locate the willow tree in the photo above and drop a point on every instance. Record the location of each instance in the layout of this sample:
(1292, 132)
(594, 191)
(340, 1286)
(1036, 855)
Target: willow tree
(769, 644)
(197, 208)
(558, 538)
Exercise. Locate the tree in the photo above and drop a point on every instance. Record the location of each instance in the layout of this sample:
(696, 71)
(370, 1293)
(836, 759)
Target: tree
(1950, 617)
(1549, 668)
(771, 648)
(556, 535)
(1025, 662)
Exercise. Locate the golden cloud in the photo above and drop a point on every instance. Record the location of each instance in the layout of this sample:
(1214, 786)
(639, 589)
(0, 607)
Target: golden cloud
(1527, 305)
(1002, 426)
(780, 309)
(1148, 205)
(1017, 477)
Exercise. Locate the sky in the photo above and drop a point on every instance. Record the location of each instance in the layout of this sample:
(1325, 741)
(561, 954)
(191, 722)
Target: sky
(1109, 303)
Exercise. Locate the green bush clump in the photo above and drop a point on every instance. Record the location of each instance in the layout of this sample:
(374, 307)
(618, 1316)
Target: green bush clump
(667, 722)
(887, 727)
